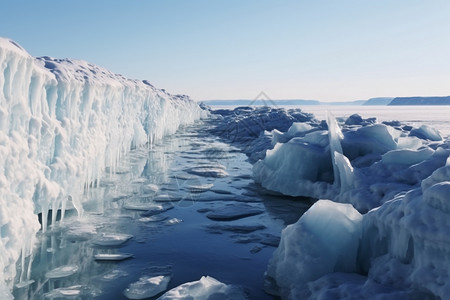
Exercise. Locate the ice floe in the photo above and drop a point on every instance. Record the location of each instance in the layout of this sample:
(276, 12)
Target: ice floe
(204, 289)
(147, 287)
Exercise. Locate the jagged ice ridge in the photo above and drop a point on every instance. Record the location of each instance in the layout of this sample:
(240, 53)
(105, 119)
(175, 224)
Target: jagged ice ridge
(62, 123)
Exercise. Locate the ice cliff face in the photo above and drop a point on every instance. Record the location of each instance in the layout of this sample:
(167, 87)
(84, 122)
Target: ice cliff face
(62, 122)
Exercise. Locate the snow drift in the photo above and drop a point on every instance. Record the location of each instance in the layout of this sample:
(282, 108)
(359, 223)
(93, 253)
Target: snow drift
(62, 123)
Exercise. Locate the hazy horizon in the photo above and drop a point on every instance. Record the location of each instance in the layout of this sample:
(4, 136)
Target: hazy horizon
(332, 51)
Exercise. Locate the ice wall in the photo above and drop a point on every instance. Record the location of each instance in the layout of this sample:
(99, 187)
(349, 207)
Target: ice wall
(62, 122)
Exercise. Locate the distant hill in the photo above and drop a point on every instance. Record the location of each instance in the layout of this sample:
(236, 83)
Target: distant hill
(244, 102)
(379, 101)
(421, 101)
(277, 102)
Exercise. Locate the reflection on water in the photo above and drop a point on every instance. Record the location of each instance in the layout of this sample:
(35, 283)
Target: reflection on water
(155, 207)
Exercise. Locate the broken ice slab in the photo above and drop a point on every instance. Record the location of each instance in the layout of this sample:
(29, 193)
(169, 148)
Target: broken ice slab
(111, 239)
(116, 196)
(223, 192)
(199, 188)
(233, 212)
(174, 221)
(23, 284)
(215, 171)
(182, 176)
(139, 180)
(155, 218)
(112, 256)
(80, 231)
(113, 275)
(167, 198)
(146, 206)
(147, 287)
(61, 272)
(150, 188)
(219, 228)
(266, 239)
(66, 292)
(160, 208)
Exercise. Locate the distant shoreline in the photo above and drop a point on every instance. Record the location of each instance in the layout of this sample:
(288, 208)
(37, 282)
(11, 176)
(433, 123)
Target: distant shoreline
(380, 101)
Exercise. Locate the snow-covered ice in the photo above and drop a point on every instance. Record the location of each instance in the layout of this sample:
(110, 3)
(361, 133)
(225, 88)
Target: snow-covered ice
(204, 289)
(111, 239)
(70, 292)
(147, 287)
(61, 272)
(112, 256)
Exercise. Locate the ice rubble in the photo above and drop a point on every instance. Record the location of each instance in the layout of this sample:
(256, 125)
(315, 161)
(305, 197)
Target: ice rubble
(399, 248)
(62, 123)
(147, 287)
(364, 164)
(252, 128)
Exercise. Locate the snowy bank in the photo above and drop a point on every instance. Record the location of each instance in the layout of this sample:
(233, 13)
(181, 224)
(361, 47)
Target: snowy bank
(62, 123)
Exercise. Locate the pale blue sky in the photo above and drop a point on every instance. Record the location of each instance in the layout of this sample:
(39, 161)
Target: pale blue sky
(328, 50)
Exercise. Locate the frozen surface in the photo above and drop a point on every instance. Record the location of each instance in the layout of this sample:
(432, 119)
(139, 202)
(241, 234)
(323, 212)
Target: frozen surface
(205, 288)
(62, 123)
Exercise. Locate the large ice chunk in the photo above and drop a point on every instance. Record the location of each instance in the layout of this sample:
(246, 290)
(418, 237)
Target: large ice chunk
(426, 132)
(407, 156)
(324, 240)
(296, 168)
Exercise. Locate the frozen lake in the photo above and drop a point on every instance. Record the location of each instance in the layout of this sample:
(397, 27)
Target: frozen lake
(185, 208)
(434, 116)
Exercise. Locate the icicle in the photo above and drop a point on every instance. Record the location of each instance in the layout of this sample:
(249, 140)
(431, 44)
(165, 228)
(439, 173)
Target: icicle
(345, 170)
(44, 214)
(22, 271)
(77, 204)
(30, 263)
(63, 208)
(55, 207)
(335, 136)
